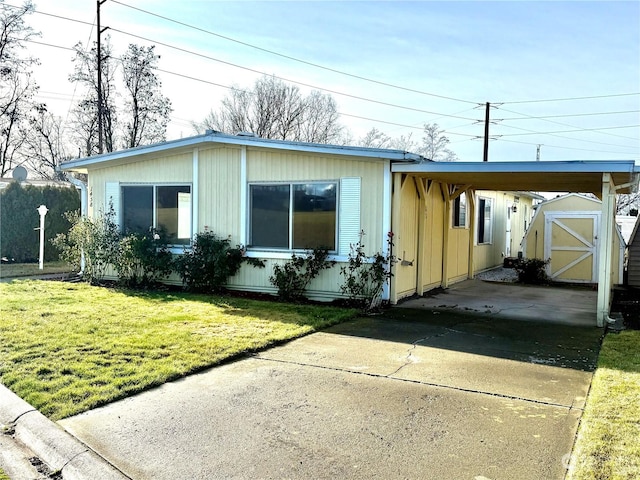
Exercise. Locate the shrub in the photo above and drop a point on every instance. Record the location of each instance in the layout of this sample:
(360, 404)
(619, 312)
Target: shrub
(532, 270)
(210, 262)
(293, 277)
(364, 277)
(143, 260)
(97, 238)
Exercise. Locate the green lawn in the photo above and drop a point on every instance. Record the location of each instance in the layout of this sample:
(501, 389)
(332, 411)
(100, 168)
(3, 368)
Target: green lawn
(66, 348)
(608, 442)
(10, 270)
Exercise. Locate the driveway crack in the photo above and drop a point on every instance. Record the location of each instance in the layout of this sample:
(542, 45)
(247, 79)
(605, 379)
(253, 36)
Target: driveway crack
(421, 382)
(407, 359)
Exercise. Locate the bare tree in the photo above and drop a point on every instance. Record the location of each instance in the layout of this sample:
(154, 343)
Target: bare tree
(147, 111)
(434, 144)
(44, 147)
(627, 202)
(85, 114)
(17, 86)
(374, 138)
(273, 109)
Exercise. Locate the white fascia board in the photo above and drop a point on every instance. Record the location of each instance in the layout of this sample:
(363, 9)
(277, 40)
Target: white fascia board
(215, 138)
(132, 152)
(573, 166)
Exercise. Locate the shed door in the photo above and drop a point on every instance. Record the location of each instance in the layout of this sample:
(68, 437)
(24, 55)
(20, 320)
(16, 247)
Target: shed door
(570, 241)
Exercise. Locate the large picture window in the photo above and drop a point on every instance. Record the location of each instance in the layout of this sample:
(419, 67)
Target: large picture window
(293, 216)
(485, 220)
(166, 208)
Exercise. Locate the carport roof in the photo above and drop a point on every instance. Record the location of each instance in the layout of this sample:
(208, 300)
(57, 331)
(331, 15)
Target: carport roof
(565, 176)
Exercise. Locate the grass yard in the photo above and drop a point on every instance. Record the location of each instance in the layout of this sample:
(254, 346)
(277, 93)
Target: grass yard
(66, 348)
(608, 446)
(10, 270)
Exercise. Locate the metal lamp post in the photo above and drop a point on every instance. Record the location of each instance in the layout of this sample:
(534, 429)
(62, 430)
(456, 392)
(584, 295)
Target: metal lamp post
(42, 210)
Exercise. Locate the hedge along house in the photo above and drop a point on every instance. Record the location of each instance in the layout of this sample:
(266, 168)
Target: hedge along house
(565, 230)
(277, 197)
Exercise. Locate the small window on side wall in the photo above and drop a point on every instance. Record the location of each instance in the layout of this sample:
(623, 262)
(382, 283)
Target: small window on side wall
(460, 211)
(485, 220)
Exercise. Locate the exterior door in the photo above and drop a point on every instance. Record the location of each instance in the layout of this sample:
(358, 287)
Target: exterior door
(570, 242)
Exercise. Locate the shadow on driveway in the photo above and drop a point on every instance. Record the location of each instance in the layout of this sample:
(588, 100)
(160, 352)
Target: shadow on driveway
(410, 394)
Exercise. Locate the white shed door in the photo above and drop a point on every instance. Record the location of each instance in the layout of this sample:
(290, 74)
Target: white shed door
(571, 243)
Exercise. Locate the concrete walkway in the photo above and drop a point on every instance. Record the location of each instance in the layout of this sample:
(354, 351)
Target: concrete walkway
(411, 394)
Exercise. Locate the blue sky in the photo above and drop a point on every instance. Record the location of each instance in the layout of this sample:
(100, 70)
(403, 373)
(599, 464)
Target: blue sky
(472, 52)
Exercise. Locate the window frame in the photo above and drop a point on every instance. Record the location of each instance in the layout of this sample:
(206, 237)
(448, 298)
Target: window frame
(154, 206)
(291, 214)
(481, 203)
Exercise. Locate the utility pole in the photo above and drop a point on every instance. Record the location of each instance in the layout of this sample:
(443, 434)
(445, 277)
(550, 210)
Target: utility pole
(486, 133)
(99, 61)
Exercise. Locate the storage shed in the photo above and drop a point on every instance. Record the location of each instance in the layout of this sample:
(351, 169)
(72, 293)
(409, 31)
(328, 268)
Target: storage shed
(565, 231)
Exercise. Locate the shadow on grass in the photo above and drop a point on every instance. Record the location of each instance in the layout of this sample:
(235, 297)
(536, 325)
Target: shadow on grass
(265, 307)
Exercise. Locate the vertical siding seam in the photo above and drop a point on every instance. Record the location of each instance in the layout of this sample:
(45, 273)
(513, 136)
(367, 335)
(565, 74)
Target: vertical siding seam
(195, 181)
(243, 195)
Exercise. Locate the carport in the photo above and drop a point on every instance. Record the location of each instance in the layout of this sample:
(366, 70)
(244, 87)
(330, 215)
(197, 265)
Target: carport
(605, 179)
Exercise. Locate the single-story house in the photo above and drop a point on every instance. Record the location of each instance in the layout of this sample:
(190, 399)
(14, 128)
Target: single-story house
(565, 230)
(277, 197)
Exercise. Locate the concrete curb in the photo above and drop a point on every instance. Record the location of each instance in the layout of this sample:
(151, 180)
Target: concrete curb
(51, 443)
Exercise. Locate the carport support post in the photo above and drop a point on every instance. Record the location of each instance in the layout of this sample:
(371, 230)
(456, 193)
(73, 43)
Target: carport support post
(604, 248)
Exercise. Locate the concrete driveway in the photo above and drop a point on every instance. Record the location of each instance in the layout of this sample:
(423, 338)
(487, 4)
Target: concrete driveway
(413, 394)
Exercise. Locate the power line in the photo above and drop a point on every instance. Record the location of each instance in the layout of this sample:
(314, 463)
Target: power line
(571, 98)
(567, 115)
(335, 92)
(388, 104)
(570, 131)
(569, 125)
(570, 148)
(448, 131)
(567, 138)
(563, 99)
(288, 57)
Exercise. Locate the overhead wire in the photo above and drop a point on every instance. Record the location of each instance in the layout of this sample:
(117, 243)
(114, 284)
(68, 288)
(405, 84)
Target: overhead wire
(289, 57)
(565, 124)
(334, 92)
(571, 148)
(544, 118)
(565, 137)
(567, 99)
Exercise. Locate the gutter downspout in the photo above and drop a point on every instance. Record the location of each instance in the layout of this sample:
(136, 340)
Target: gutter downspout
(80, 185)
